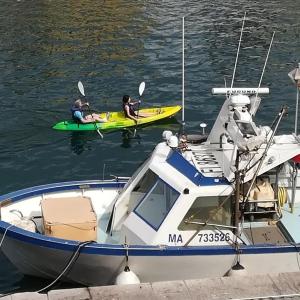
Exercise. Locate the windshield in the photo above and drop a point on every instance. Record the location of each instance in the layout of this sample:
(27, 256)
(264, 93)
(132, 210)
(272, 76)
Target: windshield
(137, 171)
(210, 209)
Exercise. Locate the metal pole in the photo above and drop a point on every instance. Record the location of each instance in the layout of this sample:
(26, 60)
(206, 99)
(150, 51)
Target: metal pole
(237, 194)
(295, 77)
(280, 116)
(263, 71)
(295, 171)
(296, 114)
(182, 121)
(294, 182)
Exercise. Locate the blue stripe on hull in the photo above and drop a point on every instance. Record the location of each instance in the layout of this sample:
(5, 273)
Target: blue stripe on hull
(108, 249)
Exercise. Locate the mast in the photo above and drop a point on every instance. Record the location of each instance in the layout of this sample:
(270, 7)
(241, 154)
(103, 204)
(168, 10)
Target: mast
(237, 171)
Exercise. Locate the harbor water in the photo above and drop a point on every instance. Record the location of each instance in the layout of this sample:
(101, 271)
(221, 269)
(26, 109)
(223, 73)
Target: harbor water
(47, 46)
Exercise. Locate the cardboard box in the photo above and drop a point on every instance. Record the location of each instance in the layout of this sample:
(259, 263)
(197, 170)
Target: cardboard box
(71, 218)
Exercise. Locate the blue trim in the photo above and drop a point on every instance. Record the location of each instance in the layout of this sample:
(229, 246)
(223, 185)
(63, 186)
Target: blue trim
(177, 161)
(142, 200)
(61, 186)
(109, 249)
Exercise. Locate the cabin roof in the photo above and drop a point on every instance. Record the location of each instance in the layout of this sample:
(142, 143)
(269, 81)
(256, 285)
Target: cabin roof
(190, 169)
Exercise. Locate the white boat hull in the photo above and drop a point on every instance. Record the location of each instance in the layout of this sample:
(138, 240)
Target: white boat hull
(152, 264)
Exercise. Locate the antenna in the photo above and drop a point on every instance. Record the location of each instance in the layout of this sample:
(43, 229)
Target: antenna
(295, 77)
(182, 111)
(263, 71)
(238, 51)
(225, 82)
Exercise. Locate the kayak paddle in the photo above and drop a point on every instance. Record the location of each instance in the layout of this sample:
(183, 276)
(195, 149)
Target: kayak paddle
(141, 91)
(81, 90)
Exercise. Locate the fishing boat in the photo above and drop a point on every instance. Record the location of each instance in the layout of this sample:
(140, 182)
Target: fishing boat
(200, 206)
(195, 208)
(117, 120)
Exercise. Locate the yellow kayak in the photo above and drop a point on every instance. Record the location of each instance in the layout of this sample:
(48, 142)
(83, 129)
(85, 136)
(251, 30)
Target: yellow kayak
(117, 120)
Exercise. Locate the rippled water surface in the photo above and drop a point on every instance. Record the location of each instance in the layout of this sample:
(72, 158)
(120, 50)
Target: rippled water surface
(111, 46)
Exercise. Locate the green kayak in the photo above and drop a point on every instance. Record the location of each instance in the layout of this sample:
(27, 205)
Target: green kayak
(117, 120)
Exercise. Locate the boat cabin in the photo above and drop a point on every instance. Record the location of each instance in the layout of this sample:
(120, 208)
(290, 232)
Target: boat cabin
(170, 196)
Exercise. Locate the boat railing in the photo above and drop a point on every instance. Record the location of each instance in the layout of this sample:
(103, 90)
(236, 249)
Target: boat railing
(261, 208)
(119, 178)
(211, 224)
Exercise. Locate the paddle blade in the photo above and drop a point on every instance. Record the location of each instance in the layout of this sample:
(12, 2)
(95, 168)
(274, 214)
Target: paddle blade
(81, 88)
(142, 88)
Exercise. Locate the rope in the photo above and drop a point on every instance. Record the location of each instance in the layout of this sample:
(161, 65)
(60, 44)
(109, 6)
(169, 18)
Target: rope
(70, 225)
(1, 243)
(69, 264)
(282, 196)
(73, 258)
(2, 240)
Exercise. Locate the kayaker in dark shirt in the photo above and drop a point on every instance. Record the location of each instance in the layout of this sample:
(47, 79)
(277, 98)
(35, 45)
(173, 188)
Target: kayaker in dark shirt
(78, 113)
(130, 112)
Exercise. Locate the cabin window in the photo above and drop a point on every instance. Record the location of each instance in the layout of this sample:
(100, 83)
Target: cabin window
(146, 182)
(208, 210)
(156, 205)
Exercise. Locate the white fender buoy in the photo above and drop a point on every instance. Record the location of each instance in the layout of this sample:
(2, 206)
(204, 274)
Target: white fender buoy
(237, 270)
(127, 277)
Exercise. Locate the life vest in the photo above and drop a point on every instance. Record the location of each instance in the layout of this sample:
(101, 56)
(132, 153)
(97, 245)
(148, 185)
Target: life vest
(73, 110)
(131, 110)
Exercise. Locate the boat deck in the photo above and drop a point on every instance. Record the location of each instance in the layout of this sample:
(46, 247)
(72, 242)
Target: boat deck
(268, 231)
(265, 234)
